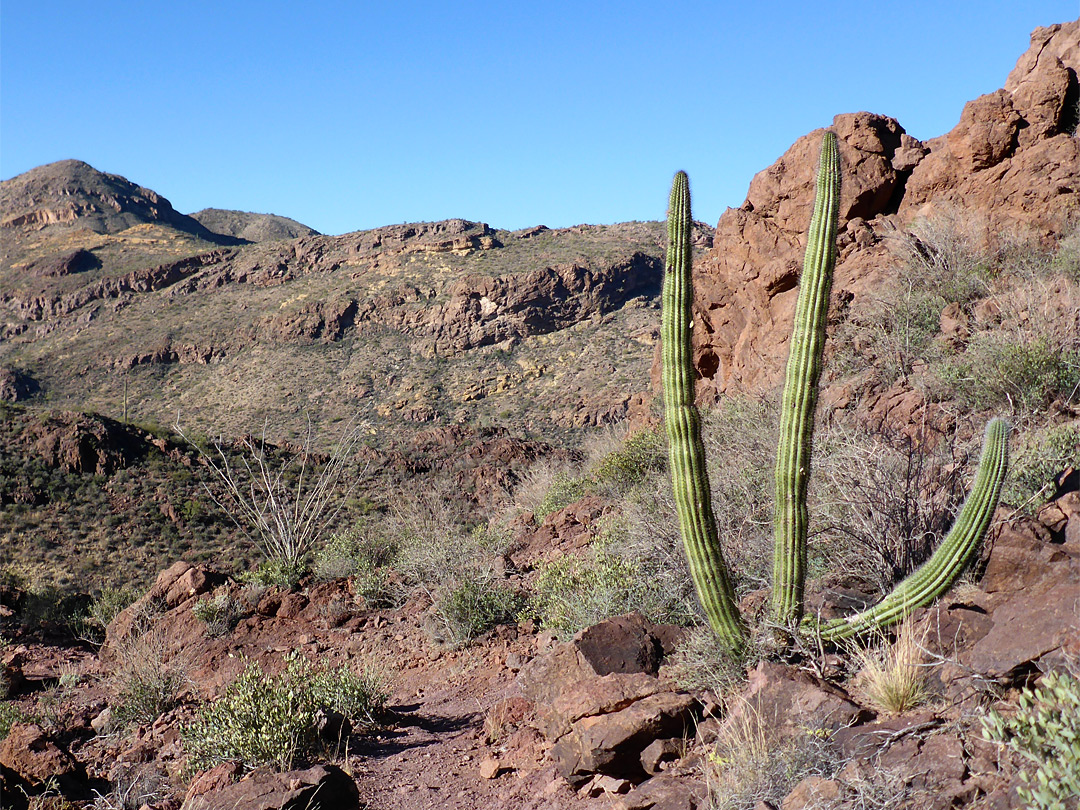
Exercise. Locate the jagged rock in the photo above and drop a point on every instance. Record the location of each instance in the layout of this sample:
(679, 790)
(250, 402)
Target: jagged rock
(322, 786)
(36, 757)
(177, 584)
(82, 443)
(16, 384)
(595, 696)
(612, 743)
(661, 751)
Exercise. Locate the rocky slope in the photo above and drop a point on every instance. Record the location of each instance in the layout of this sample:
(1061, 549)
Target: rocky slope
(251, 227)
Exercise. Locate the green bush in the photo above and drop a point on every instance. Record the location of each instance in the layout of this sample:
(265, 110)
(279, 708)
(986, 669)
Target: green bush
(9, 716)
(364, 554)
(478, 602)
(565, 490)
(103, 608)
(630, 465)
(276, 572)
(1042, 455)
(1046, 731)
(263, 720)
(1001, 370)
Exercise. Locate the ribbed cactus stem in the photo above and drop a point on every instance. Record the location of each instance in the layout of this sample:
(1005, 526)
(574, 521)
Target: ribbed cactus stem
(801, 392)
(690, 480)
(954, 554)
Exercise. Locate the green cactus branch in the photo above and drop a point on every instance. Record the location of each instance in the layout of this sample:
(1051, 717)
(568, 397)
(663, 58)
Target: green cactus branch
(954, 554)
(690, 480)
(801, 392)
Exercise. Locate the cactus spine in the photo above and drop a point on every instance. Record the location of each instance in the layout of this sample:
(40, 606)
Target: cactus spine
(801, 392)
(953, 555)
(690, 480)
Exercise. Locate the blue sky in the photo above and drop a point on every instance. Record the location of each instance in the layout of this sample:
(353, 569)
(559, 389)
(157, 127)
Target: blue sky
(351, 115)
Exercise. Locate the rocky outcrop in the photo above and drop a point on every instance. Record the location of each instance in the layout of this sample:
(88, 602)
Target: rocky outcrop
(82, 443)
(483, 311)
(39, 306)
(1012, 161)
(319, 786)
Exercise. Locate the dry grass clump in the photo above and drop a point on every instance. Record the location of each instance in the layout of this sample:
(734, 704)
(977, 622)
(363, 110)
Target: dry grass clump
(751, 763)
(144, 677)
(892, 677)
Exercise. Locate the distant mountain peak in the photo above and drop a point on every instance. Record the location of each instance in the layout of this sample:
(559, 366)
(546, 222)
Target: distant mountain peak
(252, 227)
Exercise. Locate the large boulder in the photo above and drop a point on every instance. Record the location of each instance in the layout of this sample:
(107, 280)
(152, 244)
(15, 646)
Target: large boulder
(321, 786)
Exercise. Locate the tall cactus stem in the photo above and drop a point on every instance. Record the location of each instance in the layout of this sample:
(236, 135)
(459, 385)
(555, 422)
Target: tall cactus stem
(690, 480)
(801, 392)
(954, 554)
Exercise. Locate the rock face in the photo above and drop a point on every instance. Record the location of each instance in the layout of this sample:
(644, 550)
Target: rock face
(251, 227)
(71, 192)
(1012, 159)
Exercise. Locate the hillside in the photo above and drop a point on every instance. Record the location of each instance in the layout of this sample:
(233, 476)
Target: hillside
(251, 227)
(500, 613)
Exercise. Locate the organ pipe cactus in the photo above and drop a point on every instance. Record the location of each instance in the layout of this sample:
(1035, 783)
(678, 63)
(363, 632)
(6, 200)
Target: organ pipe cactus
(690, 481)
(801, 392)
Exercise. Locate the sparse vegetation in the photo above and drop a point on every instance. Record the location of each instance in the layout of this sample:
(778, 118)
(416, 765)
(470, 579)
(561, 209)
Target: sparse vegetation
(145, 677)
(220, 612)
(751, 763)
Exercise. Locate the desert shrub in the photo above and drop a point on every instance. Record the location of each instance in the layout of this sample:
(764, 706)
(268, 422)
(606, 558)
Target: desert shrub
(133, 787)
(359, 696)
(365, 553)
(703, 662)
(630, 464)
(271, 720)
(892, 676)
(1022, 372)
(1046, 731)
(750, 764)
(1042, 454)
(104, 606)
(145, 679)
(220, 613)
(470, 606)
(284, 502)
(578, 590)
(276, 572)
(9, 716)
(883, 499)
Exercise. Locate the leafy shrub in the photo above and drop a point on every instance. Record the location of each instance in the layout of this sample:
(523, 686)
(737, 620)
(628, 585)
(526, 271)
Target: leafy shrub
(1046, 731)
(9, 716)
(271, 720)
(473, 605)
(276, 572)
(565, 490)
(364, 553)
(628, 466)
(220, 613)
(578, 590)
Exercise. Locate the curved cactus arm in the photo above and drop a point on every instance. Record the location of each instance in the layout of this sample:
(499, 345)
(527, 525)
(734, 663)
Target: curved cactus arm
(954, 554)
(690, 480)
(801, 391)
